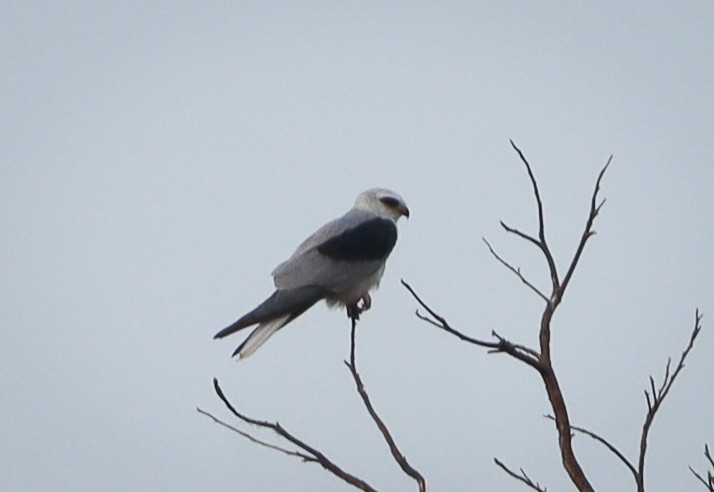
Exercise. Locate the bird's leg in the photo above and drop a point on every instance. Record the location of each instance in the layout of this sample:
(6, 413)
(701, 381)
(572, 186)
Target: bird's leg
(353, 311)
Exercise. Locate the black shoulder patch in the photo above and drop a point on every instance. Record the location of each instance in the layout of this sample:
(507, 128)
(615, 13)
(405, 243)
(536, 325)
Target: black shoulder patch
(371, 240)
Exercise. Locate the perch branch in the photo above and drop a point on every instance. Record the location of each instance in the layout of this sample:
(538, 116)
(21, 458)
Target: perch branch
(393, 448)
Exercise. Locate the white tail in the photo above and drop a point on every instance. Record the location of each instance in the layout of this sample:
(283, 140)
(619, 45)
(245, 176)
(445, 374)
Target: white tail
(260, 335)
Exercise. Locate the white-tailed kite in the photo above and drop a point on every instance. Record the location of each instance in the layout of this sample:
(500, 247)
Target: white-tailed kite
(341, 262)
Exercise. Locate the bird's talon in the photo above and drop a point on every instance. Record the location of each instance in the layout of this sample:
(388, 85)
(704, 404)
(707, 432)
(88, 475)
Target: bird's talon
(366, 302)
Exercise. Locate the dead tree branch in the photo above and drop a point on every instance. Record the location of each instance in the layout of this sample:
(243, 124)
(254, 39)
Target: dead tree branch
(520, 352)
(310, 455)
(709, 481)
(541, 243)
(541, 360)
(655, 396)
(393, 448)
(594, 212)
(611, 447)
(516, 271)
(255, 440)
(522, 476)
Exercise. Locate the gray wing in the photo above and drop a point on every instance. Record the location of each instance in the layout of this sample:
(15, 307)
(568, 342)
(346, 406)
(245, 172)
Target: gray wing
(331, 258)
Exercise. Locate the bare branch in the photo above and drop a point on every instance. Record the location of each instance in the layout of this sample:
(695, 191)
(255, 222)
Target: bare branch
(255, 440)
(552, 386)
(594, 211)
(503, 341)
(607, 444)
(541, 361)
(393, 448)
(522, 477)
(655, 396)
(521, 234)
(315, 455)
(541, 221)
(709, 482)
(440, 321)
(562, 424)
(517, 271)
(524, 354)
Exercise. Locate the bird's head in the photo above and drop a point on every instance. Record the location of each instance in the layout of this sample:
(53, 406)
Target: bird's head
(383, 202)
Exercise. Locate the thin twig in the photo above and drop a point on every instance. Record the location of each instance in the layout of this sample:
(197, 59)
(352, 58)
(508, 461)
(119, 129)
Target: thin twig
(317, 456)
(520, 352)
(516, 271)
(541, 221)
(594, 211)
(655, 396)
(611, 447)
(709, 482)
(255, 440)
(393, 448)
(522, 477)
(521, 234)
(440, 321)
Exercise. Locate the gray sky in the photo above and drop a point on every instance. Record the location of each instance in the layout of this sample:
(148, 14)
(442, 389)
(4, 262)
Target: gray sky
(159, 159)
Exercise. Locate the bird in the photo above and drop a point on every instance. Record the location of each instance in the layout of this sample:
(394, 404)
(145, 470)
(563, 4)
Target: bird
(340, 262)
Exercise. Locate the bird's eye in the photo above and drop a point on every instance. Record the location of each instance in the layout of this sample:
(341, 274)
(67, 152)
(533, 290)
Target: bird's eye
(389, 201)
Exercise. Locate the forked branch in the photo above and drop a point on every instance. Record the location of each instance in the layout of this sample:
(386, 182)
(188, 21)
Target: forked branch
(656, 395)
(255, 440)
(541, 243)
(502, 345)
(611, 447)
(539, 360)
(521, 477)
(515, 270)
(708, 482)
(309, 454)
(594, 212)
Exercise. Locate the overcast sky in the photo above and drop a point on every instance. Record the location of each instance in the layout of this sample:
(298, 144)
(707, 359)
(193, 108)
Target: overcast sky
(159, 159)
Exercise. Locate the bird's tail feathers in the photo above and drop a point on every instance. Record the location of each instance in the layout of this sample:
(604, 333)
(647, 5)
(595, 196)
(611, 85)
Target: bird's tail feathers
(260, 335)
(283, 302)
(275, 312)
